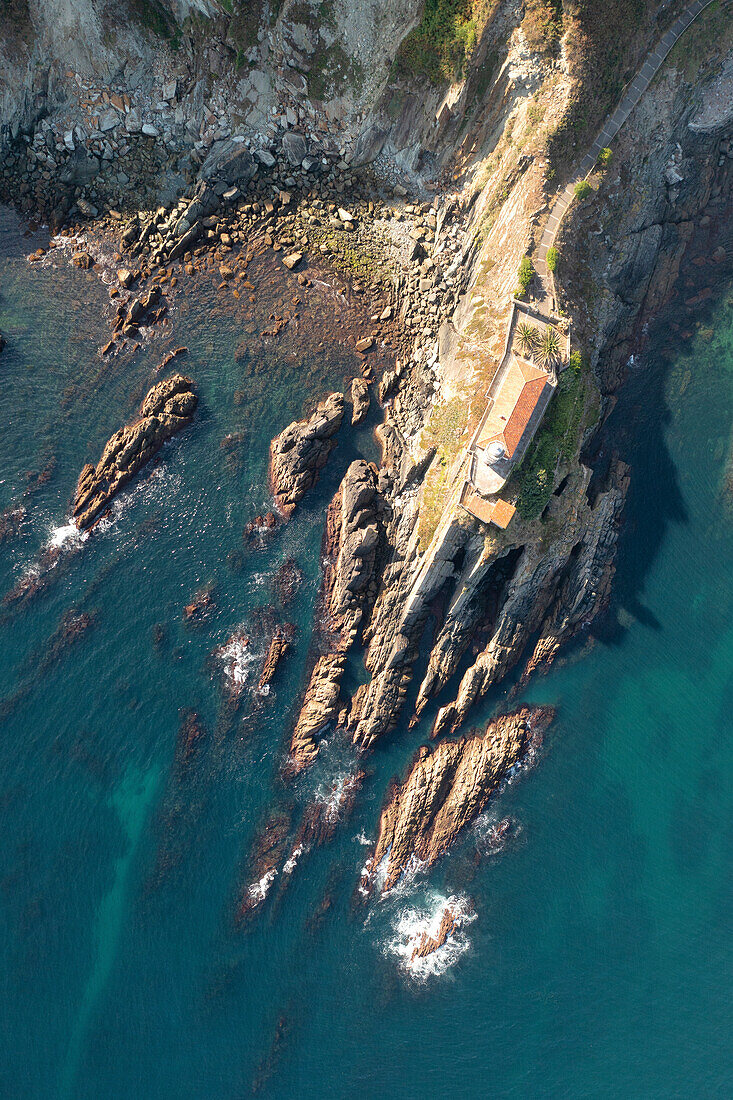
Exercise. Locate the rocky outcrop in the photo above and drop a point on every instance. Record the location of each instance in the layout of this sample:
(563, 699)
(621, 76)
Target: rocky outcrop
(351, 541)
(320, 707)
(300, 452)
(359, 400)
(451, 919)
(446, 789)
(557, 590)
(279, 646)
(168, 407)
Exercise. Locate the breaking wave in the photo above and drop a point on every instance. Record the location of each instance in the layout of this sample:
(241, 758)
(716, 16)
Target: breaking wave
(413, 926)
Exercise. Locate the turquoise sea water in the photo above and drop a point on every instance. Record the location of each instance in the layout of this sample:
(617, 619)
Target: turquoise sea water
(600, 960)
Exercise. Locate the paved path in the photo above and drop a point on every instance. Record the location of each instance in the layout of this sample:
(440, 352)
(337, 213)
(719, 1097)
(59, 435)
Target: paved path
(610, 128)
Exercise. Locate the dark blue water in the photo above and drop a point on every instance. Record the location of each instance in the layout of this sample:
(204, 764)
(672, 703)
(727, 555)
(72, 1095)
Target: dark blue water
(599, 962)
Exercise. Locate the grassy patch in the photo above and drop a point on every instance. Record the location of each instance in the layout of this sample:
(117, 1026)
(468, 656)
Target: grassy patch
(245, 22)
(158, 20)
(554, 445)
(552, 257)
(332, 70)
(443, 41)
(352, 256)
(605, 42)
(543, 25)
(444, 431)
(696, 54)
(15, 20)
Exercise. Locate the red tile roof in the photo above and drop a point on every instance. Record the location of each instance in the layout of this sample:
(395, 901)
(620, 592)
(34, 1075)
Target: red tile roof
(514, 404)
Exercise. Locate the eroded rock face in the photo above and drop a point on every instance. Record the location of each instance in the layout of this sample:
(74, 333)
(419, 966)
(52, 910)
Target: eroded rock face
(168, 407)
(351, 541)
(447, 788)
(300, 452)
(320, 706)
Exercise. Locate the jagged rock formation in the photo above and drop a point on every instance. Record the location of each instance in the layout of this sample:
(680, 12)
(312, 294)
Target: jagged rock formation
(320, 707)
(168, 407)
(447, 788)
(556, 591)
(301, 450)
(351, 541)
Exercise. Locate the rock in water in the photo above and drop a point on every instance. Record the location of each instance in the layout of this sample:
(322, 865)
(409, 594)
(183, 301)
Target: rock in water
(279, 646)
(168, 407)
(451, 919)
(351, 541)
(301, 450)
(320, 706)
(447, 788)
(359, 400)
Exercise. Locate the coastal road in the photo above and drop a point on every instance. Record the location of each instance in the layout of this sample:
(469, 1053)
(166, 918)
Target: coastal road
(608, 131)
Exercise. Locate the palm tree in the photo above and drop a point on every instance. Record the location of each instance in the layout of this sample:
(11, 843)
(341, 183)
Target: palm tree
(549, 349)
(527, 338)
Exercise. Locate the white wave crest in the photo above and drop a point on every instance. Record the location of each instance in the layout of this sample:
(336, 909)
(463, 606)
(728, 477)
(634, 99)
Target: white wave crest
(413, 926)
(259, 890)
(237, 658)
(66, 535)
(290, 863)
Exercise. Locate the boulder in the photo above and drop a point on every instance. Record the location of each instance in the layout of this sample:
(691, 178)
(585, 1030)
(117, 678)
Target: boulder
(359, 400)
(294, 147)
(231, 162)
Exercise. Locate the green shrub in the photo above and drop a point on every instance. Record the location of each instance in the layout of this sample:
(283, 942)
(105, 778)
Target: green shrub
(156, 18)
(576, 361)
(542, 24)
(442, 42)
(582, 189)
(605, 157)
(552, 258)
(526, 271)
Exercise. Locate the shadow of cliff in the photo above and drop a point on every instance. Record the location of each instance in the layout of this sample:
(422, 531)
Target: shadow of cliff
(636, 430)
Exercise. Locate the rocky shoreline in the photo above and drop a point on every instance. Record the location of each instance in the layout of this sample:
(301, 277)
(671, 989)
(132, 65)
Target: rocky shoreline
(436, 269)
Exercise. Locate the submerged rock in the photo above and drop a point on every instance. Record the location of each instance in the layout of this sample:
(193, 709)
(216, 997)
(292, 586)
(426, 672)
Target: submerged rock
(10, 522)
(168, 407)
(300, 452)
(447, 788)
(359, 400)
